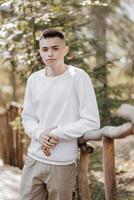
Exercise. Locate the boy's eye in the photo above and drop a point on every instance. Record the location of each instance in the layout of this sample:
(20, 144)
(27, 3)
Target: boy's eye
(44, 50)
(55, 48)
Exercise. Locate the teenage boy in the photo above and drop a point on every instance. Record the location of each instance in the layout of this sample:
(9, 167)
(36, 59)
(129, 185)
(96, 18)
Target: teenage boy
(59, 107)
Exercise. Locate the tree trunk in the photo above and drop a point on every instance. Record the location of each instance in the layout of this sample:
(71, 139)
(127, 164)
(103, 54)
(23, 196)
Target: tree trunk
(101, 60)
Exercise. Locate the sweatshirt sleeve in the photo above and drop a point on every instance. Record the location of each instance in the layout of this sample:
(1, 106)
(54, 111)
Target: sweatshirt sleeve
(88, 111)
(30, 120)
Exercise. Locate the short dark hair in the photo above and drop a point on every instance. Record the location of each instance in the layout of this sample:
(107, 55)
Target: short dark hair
(52, 32)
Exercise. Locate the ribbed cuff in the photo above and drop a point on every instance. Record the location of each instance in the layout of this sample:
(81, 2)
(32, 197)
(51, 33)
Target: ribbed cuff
(38, 133)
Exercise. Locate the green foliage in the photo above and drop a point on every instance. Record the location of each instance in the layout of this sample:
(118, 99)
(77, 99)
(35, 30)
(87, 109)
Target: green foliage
(97, 189)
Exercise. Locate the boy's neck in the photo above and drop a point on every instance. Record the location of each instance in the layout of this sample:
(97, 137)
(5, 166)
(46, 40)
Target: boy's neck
(55, 71)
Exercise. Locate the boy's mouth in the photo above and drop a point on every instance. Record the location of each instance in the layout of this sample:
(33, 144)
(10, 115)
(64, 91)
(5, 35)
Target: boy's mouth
(50, 59)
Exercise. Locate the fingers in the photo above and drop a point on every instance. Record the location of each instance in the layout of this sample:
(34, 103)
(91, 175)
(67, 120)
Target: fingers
(50, 141)
(53, 140)
(46, 151)
(43, 137)
(46, 143)
(46, 134)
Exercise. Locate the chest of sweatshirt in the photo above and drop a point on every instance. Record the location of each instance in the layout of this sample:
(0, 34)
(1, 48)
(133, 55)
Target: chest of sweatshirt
(55, 97)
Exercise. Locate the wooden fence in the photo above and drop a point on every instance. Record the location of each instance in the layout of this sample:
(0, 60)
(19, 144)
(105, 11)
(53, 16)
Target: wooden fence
(14, 143)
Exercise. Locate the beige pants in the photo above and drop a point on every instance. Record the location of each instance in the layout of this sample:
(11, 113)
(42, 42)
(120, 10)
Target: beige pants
(38, 178)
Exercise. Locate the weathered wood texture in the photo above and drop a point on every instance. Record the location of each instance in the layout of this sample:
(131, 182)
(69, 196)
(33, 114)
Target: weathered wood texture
(109, 169)
(12, 142)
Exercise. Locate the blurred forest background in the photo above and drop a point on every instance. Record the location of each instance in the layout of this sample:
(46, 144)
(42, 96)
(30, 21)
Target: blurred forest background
(100, 35)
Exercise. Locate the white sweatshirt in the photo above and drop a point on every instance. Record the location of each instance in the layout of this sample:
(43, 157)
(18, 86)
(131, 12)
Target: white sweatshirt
(67, 101)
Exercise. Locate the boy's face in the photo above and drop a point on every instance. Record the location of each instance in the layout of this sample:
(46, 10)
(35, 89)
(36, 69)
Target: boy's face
(53, 51)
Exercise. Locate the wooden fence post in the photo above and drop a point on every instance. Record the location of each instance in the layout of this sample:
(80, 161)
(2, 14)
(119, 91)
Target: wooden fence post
(12, 113)
(85, 193)
(5, 151)
(109, 169)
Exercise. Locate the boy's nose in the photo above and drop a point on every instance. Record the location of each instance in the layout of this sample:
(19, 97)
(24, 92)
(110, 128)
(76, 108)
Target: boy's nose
(50, 53)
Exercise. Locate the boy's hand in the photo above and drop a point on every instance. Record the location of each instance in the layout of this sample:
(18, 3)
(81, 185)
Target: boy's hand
(46, 151)
(48, 141)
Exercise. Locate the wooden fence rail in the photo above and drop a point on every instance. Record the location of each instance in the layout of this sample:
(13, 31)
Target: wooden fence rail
(14, 143)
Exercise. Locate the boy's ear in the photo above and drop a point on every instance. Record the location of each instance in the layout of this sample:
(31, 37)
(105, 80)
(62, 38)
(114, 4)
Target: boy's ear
(66, 50)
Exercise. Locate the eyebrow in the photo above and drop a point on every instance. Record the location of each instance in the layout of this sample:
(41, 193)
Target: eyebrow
(51, 46)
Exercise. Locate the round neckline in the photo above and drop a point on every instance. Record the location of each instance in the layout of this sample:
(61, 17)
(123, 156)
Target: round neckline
(54, 77)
